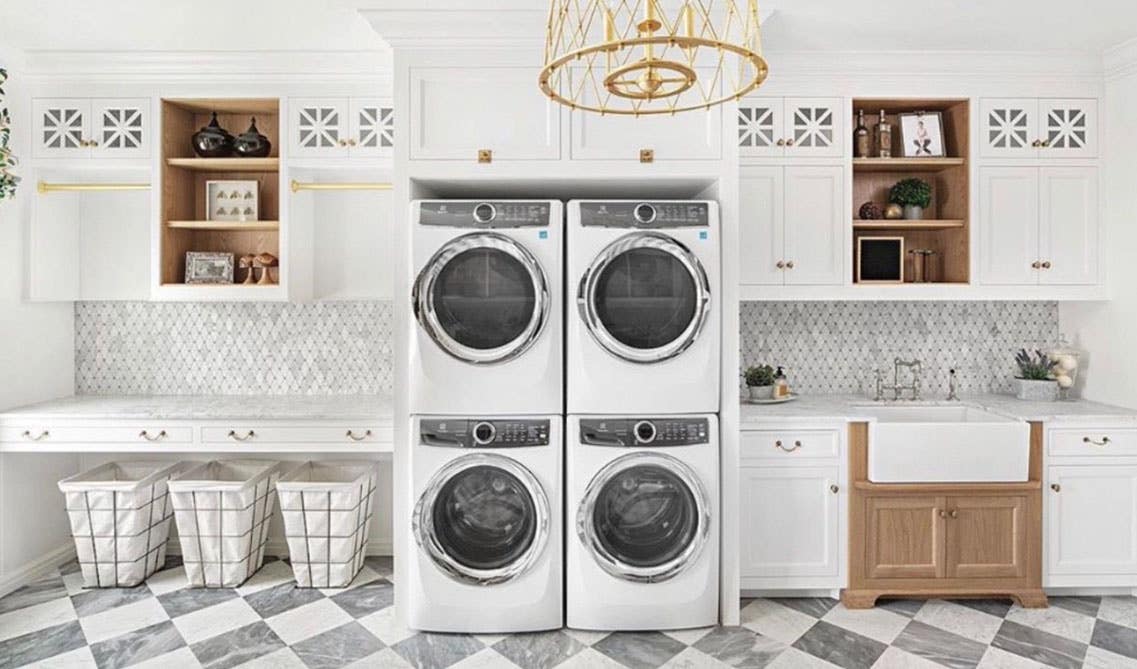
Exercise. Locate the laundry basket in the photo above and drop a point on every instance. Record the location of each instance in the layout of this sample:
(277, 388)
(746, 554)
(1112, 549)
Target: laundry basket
(327, 509)
(120, 519)
(222, 509)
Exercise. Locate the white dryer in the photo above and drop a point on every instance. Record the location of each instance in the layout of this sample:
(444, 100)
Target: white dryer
(486, 553)
(642, 519)
(644, 336)
(487, 299)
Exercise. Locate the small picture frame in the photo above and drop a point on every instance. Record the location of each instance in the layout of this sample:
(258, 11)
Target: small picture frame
(209, 267)
(880, 260)
(922, 135)
(231, 200)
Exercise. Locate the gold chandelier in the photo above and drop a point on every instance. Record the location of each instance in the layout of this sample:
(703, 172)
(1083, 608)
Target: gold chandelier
(639, 57)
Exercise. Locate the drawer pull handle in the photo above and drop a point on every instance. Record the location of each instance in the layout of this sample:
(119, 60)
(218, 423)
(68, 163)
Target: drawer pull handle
(779, 444)
(236, 437)
(39, 437)
(1055, 487)
(834, 488)
(351, 435)
(1104, 441)
(158, 437)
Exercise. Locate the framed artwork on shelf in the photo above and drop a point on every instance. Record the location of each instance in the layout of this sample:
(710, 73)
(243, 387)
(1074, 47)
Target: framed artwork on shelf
(922, 135)
(880, 260)
(209, 267)
(231, 200)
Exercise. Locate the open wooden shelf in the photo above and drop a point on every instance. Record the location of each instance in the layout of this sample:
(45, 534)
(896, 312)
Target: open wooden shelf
(905, 164)
(925, 224)
(234, 226)
(226, 164)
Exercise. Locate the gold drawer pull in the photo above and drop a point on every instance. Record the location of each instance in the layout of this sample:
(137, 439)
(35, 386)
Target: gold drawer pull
(1104, 441)
(39, 437)
(158, 437)
(236, 437)
(779, 444)
(351, 435)
(1055, 487)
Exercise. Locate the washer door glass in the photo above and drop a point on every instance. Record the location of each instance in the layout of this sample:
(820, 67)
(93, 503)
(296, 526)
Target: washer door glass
(484, 518)
(645, 516)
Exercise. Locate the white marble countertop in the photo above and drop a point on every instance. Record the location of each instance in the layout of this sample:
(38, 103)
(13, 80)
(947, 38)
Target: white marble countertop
(375, 409)
(852, 408)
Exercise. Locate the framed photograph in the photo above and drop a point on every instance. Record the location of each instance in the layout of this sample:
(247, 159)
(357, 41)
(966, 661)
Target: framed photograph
(231, 200)
(922, 135)
(880, 260)
(208, 267)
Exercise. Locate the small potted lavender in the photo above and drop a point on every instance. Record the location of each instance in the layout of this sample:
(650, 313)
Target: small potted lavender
(1035, 380)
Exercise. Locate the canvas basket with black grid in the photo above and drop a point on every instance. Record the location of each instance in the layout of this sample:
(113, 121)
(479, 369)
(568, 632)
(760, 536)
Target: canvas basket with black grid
(327, 508)
(120, 519)
(222, 509)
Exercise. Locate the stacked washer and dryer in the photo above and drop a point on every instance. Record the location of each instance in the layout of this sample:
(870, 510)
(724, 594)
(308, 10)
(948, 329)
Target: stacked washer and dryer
(525, 518)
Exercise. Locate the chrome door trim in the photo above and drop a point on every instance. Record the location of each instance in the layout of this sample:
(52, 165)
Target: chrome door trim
(422, 520)
(586, 530)
(422, 298)
(586, 297)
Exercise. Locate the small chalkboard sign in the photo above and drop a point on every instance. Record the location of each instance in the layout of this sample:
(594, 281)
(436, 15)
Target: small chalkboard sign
(880, 260)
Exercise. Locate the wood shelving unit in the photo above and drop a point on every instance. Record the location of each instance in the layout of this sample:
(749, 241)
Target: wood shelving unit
(184, 175)
(945, 228)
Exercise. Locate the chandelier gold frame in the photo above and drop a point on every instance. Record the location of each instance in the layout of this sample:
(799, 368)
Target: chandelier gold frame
(654, 83)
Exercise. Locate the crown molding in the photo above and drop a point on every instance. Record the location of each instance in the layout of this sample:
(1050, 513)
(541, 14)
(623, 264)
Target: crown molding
(119, 65)
(934, 63)
(1121, 60)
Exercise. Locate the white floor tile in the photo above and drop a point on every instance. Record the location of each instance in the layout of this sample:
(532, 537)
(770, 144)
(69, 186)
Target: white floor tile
(1119, 610)
(303, 622)
(217, 619)
(384, 659)
(272, 574)
(123, 619)
(880, 624)
(385, 627)
(895, 658)
(586, 637)
(961, 620)
(793, 658)
(167, 580)
(182, 658)
(80, 658)
(1100, 658)
(486, 658)
(73, 582)
(694, 659)
(778, 622)
(996, 658)
(1056, 621)
(489, 639)
(590, 659)
(688, 637)
(281, 659)
(365, 576)
(37, 617)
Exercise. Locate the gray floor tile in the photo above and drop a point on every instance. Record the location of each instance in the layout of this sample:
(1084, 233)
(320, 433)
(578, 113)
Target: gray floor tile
(1115, 638)
(813, 606)
(69, 567)
(1087, 606)
(338, 647)
(940, 646)
(905, 607)
(740, 647)
(176, 561)
(188, 600)
(136, 646)
(42, 644)
(540, 650)
(437, 651)
(97, 600)
(639, 650)
(1044, 647)
(996, 607)
(839, 646)
(366, 599)
(382, 565)
(284, 597)
(237, 647)
(43, 590)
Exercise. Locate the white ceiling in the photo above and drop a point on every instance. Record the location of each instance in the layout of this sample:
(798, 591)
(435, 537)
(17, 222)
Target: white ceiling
(796, 25)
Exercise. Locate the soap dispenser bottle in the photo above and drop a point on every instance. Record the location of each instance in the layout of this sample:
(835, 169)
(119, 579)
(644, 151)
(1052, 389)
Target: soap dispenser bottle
(781, 385)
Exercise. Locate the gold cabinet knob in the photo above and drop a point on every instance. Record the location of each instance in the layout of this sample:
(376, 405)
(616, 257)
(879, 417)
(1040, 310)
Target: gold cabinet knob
(943, 514)
(1044, 143)
(834, 488)
(351, 142)
(1046, 264)
(1036, 264)
(790, 264)
(1055, 487)
(954, 513)
(1036, 143)
(790, 142)
(780, 264)
(781, 142)
(485, 155)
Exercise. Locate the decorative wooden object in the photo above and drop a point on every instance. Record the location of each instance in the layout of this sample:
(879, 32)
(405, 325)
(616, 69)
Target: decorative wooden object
(943, 540)
(248, 263)
(266, 261)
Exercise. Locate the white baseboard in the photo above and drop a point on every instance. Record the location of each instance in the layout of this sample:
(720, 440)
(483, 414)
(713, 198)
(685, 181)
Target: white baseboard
(37, 568)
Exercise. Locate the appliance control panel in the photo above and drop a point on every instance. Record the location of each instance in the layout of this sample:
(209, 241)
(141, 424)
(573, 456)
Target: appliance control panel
(633, 432)
(645, 215)
(484, 215)
(483, 433)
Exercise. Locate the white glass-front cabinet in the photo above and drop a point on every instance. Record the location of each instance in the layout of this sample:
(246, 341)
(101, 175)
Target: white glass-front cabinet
(91, 128)
(791, 227)
(1038, 128)
(341, 127)
(790, 127)
(1039, 225)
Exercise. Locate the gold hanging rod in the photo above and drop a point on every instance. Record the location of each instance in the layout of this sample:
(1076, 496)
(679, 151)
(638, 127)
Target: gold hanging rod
(45, 187)
(344, 185)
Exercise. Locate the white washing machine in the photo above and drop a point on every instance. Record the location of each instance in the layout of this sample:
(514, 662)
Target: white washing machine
(642, 519)
(644, 336)
(487, 300)
(486, 553)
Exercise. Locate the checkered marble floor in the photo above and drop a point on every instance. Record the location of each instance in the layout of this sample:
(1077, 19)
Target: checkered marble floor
(268, 622)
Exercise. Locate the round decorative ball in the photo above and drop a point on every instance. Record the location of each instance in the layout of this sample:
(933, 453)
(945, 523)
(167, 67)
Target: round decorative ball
(870, 211)
(1064, 381)
(894, 211)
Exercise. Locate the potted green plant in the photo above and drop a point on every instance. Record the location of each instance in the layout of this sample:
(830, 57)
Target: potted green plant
(914, 195)
(1035, 380)
(760, 382)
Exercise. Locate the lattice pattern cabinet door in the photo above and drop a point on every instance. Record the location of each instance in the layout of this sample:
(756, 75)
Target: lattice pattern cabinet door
(62, 127)
(121, 128)
(372, 128)
(1009, 128)
(319, 128)
(1068, 128)
(760, 128)
(813, 127)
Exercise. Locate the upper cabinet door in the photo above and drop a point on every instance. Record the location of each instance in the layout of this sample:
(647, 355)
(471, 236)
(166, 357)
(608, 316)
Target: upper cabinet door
(120, 128)
(1068, 225)
(815, 225)
(760, 128)
(761, 226)
(1008, 128)
(813, 127)
(372, 128)
(455, 113)
(1068, 128)
(318, 128)
(1008, 225)
(62, 127)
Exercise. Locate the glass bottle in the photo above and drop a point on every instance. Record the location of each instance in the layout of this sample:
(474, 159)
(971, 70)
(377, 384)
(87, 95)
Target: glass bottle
(884, 136)
(861, 136)
(781, 385)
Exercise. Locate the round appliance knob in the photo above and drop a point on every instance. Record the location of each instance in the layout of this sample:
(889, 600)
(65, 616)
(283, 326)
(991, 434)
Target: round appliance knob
(485, 212)
(644, 213)
(645, 431)
(484, 433)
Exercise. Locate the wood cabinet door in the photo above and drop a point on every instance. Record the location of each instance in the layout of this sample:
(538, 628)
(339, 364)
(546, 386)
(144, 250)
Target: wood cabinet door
(813, 127)
(372, 128)
(1091, 520)
(790, 521)
(815, 226)
(760, 128)
(120, 128)
(761, 231)
(905, 537)
(61, 127)
(319, 129)
(986, 537)
(1008, 128)
(1008, 226)
(1068, 225)
(1068, 128)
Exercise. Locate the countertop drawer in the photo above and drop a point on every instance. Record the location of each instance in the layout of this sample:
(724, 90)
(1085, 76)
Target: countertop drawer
(789, 444)
(137, 433)
(315, 434)
(1091, 441)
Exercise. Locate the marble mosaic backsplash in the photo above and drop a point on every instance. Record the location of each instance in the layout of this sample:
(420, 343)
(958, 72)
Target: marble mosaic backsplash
(135, 348)
(833, 347)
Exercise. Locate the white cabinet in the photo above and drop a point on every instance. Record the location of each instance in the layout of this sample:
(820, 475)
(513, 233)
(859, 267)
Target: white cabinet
(790, 127)
(790, 521)
(455, 113)
(1092, 520)
(91, 128)
(792, 231)
(1038, 128)
(341, 127)
(693, 135)
(1039, 225)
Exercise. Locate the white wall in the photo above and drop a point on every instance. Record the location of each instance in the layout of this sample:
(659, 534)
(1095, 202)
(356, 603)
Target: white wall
(1108, 330)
